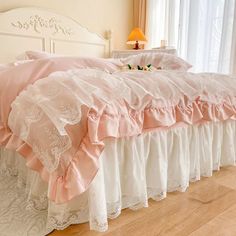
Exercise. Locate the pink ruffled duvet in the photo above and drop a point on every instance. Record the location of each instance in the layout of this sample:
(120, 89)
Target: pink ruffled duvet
(59, 122)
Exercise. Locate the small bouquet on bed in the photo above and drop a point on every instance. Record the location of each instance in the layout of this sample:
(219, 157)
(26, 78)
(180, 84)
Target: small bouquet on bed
(148, 67)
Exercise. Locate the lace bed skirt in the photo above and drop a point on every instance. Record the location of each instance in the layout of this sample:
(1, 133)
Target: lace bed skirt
(131, 171)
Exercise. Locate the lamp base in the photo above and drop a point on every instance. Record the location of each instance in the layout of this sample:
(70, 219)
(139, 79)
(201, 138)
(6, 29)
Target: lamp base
(136, 46)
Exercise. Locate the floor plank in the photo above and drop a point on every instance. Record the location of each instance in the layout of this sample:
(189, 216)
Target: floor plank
(208, 207)
(222, 225)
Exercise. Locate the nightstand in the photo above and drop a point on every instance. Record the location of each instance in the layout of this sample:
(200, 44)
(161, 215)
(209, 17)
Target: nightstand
(126, 53)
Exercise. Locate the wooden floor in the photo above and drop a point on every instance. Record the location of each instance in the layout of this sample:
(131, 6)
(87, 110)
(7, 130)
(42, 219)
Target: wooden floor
(208, 208)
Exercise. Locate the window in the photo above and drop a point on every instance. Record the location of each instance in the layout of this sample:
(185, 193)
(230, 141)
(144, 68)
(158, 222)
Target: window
(201, 30)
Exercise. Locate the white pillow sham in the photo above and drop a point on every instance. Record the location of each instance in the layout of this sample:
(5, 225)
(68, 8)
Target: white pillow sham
(158, 60)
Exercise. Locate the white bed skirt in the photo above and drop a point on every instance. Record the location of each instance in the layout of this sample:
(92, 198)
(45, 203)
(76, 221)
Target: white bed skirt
(131, 171)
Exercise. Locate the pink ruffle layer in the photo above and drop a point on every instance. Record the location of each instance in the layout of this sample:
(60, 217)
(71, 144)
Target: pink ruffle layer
(76, 178)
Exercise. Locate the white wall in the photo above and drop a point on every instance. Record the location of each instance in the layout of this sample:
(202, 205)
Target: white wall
(97, 15)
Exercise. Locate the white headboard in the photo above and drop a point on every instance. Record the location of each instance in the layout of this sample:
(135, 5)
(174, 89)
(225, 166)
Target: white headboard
(23, 29)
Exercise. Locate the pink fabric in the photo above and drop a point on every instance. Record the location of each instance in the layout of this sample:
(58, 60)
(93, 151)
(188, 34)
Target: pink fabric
(15, 79)
(16, 63)
(5, 66)
(20, 62)
(34, 55)
(158, 60)
(119, 105)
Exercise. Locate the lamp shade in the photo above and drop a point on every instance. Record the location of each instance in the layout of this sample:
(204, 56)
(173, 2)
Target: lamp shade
(136, 35)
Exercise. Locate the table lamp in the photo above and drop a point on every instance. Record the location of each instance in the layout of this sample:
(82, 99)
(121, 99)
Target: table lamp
(136, 37)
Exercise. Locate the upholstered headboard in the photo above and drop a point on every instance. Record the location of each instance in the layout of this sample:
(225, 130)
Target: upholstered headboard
(23, 29)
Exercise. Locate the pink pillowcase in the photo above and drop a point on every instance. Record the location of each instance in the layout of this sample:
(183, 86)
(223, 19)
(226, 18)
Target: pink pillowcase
(65, 63)
(5, 66)
(34, 55)
(16, 63)
(109, 65)
(158, 60)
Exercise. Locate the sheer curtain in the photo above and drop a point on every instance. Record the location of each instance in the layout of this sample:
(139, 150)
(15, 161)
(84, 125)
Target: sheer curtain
(203, 31)
(162, 22)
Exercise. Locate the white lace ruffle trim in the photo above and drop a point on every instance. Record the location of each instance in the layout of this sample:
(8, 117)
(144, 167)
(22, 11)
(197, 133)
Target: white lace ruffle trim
(132, 170)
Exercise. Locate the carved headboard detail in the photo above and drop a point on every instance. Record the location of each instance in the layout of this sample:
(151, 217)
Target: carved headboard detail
(38, 23)
(28, 28)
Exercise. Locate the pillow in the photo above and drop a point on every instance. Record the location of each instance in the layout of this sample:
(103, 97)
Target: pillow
(20, 62)
(70, 63)
(164, 61)
(34, 55)
(16, 63)
(5, 66)
(109, 65)
(2, 67)
(106, 64)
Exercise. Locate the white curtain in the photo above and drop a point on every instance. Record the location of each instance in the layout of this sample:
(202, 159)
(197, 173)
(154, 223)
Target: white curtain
(203, 31)
(162, 22)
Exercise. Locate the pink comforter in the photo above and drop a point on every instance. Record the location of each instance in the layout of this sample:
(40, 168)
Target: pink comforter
(59, 123)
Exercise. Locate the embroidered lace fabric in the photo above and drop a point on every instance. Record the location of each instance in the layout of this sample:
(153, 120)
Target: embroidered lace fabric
(132, 170)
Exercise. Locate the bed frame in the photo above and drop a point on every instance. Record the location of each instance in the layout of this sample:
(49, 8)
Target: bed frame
(23, 29)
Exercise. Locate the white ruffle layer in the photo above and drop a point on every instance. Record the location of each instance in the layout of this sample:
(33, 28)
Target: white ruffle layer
(131, 171)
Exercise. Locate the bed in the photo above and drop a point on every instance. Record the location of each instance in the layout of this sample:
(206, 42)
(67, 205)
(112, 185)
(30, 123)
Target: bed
(84, 142)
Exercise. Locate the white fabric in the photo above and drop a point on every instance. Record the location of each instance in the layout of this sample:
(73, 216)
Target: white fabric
(157, 60)
(202, 31)
(233, 51)
(15, 219)
(131, 171)
(162, 22)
